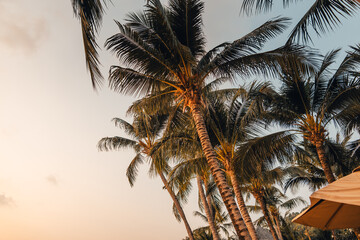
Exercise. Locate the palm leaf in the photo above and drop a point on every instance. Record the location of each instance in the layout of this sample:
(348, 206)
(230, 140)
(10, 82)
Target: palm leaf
(90, 13)
(134, 51)
(133, 169)
(186, 21)
(124, 125)
(116, 143)
(322, 16)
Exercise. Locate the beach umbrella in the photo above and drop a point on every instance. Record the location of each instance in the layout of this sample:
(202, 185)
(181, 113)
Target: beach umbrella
(335, 206)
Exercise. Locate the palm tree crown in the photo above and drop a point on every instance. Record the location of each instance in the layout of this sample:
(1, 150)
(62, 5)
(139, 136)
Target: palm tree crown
(163, 53)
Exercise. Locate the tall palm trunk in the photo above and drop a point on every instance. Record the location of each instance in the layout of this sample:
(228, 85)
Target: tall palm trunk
(261, 200)
(212, 226)
(177, 205)
(357, 232)
(218, 174)
(324, 161)
(277, 225)
(243, 210)
(208, 198)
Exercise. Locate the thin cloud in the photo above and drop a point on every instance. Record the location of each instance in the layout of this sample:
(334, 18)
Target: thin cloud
(52, 180)
(6, 201)
(20, 31)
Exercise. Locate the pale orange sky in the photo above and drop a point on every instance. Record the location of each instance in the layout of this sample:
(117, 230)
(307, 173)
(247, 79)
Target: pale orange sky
(54, 184)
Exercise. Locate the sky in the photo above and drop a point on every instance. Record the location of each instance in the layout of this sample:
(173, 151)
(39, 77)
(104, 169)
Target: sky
(54, 183)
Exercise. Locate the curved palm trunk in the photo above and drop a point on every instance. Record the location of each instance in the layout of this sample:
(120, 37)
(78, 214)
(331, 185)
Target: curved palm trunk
(357, 232)
(277, 225)
(324, 161)
(262, 202)
(208, 198)
(218, 174)
(243, 210)
(177, 205)
(307, 234)
(212, 226)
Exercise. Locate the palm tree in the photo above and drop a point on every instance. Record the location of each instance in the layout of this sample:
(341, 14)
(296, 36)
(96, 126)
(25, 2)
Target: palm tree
(257, 186)
(192, 164)
(276, 201)
(90, 13)
(305, 169)
(145, 132)
(231, 123)
(311, 104)
(322, 15)
(163, 51)
(262, 153)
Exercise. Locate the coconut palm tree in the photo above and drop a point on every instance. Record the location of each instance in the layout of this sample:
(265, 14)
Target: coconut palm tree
(90, 14)
(196, 167)
(145, 134)
(276, 201)
(231, 123)
(262, 153)
(306, 167)
(323, 15)
(163, 50)
(312, 104)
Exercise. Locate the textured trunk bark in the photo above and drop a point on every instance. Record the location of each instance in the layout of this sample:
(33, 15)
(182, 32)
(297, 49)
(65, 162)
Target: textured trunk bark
(357, 232)
(212, 226)
(218, 174)
(243, 210)
(277, 223)
(208, 198)
(324, 162)
(177, 205)
(307, 234)
(265, 211)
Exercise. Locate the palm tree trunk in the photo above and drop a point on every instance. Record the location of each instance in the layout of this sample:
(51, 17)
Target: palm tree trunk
(277, 224)
(177, 205)
(357, 232)
(212, 226)
(243, 210)
(218, 174)
(324, 161)
(208, 198)
(262, 202)
(307, 234)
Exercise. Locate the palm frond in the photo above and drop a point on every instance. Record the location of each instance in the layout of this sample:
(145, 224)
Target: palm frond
(90, 13)
(186, 22)
(133, 168)
(271, 63)
(245, 46)
(116, 143)
(323, 16)
(128, 81)
(137, 53)
(293, 202)
(124, 125)
(176, 213)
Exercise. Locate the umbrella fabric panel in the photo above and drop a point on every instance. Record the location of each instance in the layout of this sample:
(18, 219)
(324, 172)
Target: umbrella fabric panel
(345, 190)
(330, 215)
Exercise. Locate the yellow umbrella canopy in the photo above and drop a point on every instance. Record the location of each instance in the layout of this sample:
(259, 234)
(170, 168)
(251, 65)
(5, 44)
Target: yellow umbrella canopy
(335, 206)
